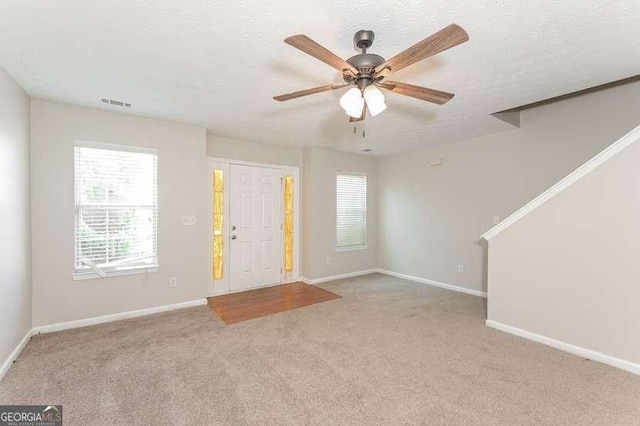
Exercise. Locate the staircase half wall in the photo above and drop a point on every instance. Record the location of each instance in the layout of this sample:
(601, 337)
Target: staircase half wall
(565, 269)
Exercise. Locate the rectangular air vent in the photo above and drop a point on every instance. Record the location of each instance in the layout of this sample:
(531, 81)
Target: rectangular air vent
(115, 103)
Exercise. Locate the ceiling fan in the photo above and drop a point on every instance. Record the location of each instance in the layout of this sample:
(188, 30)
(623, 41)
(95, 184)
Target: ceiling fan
(368, 72)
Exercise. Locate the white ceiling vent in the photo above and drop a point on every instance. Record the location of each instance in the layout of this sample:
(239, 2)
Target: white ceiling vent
(115, 103)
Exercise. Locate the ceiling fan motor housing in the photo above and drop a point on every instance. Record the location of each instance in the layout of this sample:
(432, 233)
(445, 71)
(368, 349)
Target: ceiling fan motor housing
(365, 62)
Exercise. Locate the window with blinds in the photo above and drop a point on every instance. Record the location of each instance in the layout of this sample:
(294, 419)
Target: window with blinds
(351, 211)
(116, 208)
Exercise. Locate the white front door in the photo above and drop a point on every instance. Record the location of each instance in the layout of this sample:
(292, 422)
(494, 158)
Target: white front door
(255, 204)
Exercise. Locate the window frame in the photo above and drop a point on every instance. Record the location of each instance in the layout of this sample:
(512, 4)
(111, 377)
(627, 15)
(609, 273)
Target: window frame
(114, 271)
(365, 244)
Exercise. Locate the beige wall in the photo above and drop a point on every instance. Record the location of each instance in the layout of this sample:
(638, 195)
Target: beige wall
(183, 190)
(237, 149)
(318, 168)
(569, 270)
(431, 218)
(15, 232)
(319, 213)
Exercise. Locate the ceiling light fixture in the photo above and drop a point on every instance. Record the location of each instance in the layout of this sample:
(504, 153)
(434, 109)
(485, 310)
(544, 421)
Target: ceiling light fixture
(375, 100)
(352, 102)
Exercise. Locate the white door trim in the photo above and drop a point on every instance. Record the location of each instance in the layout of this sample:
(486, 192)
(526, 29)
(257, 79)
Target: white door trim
(223, 286)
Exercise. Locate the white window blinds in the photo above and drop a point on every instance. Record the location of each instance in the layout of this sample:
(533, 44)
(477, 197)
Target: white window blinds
(116, 208)
(351, 210)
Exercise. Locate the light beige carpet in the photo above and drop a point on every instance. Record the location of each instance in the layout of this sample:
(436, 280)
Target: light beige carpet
(388, 352)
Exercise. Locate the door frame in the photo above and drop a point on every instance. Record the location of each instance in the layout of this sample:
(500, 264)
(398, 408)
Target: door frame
(223, 286)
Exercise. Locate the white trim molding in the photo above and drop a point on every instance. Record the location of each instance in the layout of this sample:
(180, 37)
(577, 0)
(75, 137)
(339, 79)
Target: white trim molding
(115, 147)
(108, 274)
(566, 347)
(452, 287)
(15, 353)
(572, 178)
(43, 329)
(312, 281)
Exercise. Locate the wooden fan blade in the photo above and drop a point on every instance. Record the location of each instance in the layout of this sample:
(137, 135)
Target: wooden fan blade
(310, 47)
(301, 93)
(423, 93)
(444, 39)
(362, 116)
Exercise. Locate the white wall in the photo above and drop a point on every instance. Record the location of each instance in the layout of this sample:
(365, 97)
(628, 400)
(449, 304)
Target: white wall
(182, 190)
(569, 270)
(319, 213)
(237, 149)
(15, 232)
(431, 218)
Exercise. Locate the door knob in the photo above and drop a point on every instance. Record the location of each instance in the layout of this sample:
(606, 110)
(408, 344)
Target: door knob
(233, 227)
(233, 237)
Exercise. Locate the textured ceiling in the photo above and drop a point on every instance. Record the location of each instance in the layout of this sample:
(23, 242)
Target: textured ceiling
(218, 63)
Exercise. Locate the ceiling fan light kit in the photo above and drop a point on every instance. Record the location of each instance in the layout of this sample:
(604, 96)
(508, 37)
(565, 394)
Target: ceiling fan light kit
(352, 102)
(367, 73)
(375, 100)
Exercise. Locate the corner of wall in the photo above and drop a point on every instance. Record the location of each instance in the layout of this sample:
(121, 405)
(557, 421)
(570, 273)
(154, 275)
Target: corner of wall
(16, 304)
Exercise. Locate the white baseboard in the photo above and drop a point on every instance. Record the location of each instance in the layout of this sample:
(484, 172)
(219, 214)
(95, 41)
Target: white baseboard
(115, 317)
(434, 283)
(575, 350)
(15, 354)
(313, 281)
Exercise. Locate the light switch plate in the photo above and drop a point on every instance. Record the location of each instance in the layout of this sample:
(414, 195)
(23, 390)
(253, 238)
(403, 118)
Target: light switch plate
(188, 220)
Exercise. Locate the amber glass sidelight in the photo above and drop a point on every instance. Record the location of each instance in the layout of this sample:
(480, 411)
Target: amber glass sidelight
(288, 223)
(218, 216)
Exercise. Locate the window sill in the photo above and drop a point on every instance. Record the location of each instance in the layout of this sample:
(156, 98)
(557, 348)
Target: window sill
(115, 273)
(352, 248)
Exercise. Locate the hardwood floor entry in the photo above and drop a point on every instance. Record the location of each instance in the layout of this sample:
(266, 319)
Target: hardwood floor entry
(238, 307)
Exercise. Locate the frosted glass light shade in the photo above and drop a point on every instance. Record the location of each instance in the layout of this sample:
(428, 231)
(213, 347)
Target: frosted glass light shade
(355, 110)
(352, 102)
(375, 100)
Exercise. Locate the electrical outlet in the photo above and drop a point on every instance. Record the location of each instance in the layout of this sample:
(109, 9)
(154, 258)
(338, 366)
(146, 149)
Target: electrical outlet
(461, 268)
(328, 261)
(188, 220)
(173, 282)
(496, 220)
